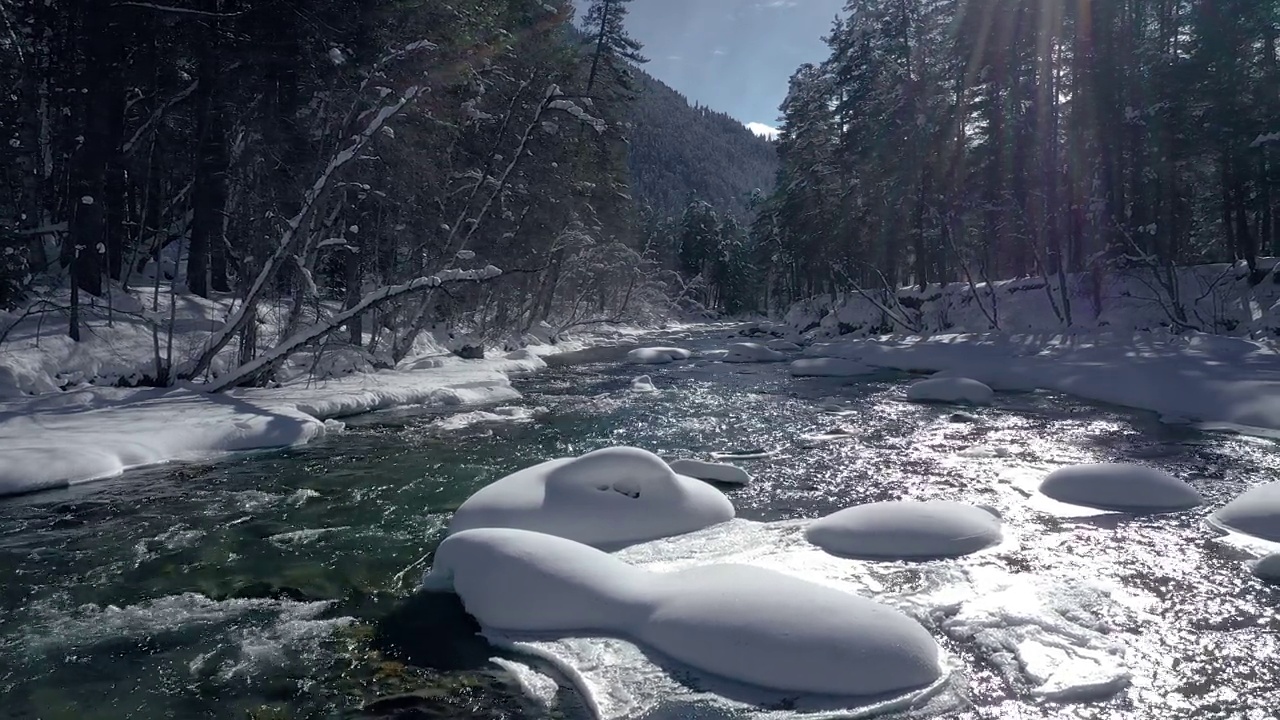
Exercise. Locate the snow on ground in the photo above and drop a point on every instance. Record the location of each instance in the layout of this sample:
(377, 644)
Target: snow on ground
(62, 421)
(750, 352)
(609, 497)
(716, 472)
(1255, 512)
(951, 390)
(906, 530)
(1050, 638)
(1120, 487)
(657, 355)
(829, 367)
(778, 632)
(1220, 383)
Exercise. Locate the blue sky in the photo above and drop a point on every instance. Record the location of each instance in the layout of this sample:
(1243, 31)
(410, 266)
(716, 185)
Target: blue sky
(732, 55)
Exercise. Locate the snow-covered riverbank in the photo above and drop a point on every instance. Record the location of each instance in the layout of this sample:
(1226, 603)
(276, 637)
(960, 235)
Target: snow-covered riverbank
(56, 439)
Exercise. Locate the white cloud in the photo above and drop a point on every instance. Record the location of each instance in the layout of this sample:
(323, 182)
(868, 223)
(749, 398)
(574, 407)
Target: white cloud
(719, 51)
(762, 130)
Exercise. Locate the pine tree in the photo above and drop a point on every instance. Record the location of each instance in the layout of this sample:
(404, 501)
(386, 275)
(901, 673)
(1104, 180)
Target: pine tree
(613, 46)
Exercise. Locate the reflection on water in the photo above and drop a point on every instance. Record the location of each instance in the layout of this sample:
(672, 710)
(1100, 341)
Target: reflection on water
(274, 585)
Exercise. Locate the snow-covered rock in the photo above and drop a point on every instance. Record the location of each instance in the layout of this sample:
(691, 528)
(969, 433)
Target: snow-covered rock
(657, 355)
(751, 353)
(609, 497)
(740, 622)
(717, 472)
(829, 367)
(643, 384)
(951, 390)
(906, 529)
(1254, 512)
(783, 346)
(1120, 487)
(1268, 568)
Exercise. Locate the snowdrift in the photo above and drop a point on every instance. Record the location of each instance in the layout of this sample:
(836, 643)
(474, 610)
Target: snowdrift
(906, 530)
(610, 497)
(740, 622)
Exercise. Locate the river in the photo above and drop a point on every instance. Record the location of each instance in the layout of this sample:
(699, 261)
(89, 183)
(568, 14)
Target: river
(280, 584)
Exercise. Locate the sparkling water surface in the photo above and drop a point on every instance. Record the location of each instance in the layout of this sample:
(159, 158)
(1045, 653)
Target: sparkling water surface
(280, 584)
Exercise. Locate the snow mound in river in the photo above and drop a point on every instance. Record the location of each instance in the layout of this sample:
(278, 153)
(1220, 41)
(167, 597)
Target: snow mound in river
(751, 353)
(718, 472)
(783, 346)
(1268, 568)
(1254, 512)
(643, 384)
(906, 529)
(609, 497)
(829, 367)
(951, 390)
(1121, 487)
(656, 355)
(744, 623)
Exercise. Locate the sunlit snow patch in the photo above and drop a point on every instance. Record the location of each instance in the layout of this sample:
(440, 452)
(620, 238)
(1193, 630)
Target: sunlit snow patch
(950, 390)
(906, 530)
(1120, 487)
(608, 497)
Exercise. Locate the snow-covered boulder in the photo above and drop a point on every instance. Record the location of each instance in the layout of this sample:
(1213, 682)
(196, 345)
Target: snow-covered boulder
(951, 390)
(1268, 568)
(1254, 512)
(783, 346)
(643, 384)
(751, 353)
(610, 497)
(906, 529)
(716, 472)
(744, 623)
(657, 355)
(829, 367)
(1121, 487)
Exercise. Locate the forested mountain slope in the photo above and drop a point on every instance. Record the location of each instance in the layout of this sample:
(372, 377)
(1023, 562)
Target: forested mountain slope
(678, 151)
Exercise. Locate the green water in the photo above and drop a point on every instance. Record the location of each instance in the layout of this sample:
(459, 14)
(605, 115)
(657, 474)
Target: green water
(280, 585)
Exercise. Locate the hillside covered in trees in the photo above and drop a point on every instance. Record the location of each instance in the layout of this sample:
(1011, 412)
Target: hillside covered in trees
(956, 140)
(679, 151)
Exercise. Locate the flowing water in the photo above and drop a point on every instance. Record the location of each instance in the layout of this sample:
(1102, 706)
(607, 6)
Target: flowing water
(280, 584)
